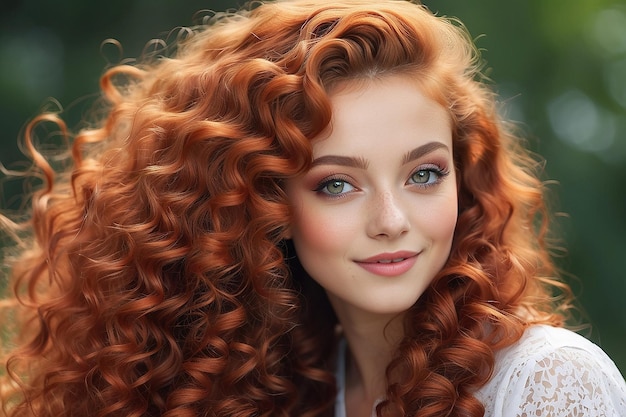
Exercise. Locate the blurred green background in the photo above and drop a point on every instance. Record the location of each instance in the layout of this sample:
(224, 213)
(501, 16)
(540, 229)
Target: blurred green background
(558, 65)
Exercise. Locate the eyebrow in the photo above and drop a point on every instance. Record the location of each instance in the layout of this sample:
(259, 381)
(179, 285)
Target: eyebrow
(362, 163)
(348, 161)
(423, 150)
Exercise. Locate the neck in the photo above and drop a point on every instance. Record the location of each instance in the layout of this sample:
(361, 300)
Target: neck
(372, 340)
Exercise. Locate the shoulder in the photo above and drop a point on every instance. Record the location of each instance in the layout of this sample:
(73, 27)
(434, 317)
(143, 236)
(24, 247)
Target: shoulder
(554, 372)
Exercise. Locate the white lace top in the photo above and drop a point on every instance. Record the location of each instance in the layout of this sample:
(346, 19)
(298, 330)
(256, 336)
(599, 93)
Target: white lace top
(549, 372)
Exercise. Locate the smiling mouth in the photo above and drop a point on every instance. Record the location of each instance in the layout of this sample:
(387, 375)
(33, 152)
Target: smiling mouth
(390, 264)
(389, 261)
(389, 257)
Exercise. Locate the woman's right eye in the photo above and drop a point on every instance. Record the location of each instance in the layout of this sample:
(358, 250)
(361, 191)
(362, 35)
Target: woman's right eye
(334, 187)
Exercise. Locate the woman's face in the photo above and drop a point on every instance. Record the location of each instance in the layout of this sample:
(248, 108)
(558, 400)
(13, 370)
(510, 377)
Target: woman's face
(375, 215)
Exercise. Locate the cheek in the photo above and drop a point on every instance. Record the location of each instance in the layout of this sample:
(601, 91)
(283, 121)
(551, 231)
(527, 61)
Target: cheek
(312, 232)
(448, 218)
(441, 222)
(321, 232)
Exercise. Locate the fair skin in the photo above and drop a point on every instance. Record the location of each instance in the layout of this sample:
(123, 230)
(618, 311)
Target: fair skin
(375, 217)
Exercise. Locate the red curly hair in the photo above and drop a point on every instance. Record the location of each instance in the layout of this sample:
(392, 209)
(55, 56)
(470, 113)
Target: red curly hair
(155, 279)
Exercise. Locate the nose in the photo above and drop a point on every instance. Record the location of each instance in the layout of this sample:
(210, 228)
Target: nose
(388, 217)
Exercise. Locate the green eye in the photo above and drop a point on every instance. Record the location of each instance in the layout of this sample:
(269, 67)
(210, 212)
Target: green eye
(334, 187)
(423, 176)
(427, 176)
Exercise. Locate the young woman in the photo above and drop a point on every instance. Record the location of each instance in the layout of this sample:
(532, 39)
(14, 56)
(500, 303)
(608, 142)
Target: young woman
(310, 208)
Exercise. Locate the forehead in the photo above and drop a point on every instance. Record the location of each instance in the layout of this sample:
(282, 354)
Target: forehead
(391, 109)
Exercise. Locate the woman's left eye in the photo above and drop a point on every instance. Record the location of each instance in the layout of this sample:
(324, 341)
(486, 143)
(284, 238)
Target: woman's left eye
(426, 176)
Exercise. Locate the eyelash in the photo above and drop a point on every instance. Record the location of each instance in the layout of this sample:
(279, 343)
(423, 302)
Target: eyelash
(440, 173)
(329, 180)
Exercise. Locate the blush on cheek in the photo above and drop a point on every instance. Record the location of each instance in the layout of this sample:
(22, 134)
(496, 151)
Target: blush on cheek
(451, 217)
(320, 230)
(441, 220)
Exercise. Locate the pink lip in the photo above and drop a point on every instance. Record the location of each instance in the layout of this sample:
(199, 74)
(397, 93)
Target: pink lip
(389, 264)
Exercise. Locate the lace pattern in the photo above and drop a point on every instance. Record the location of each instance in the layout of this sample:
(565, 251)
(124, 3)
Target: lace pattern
(554, 372)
